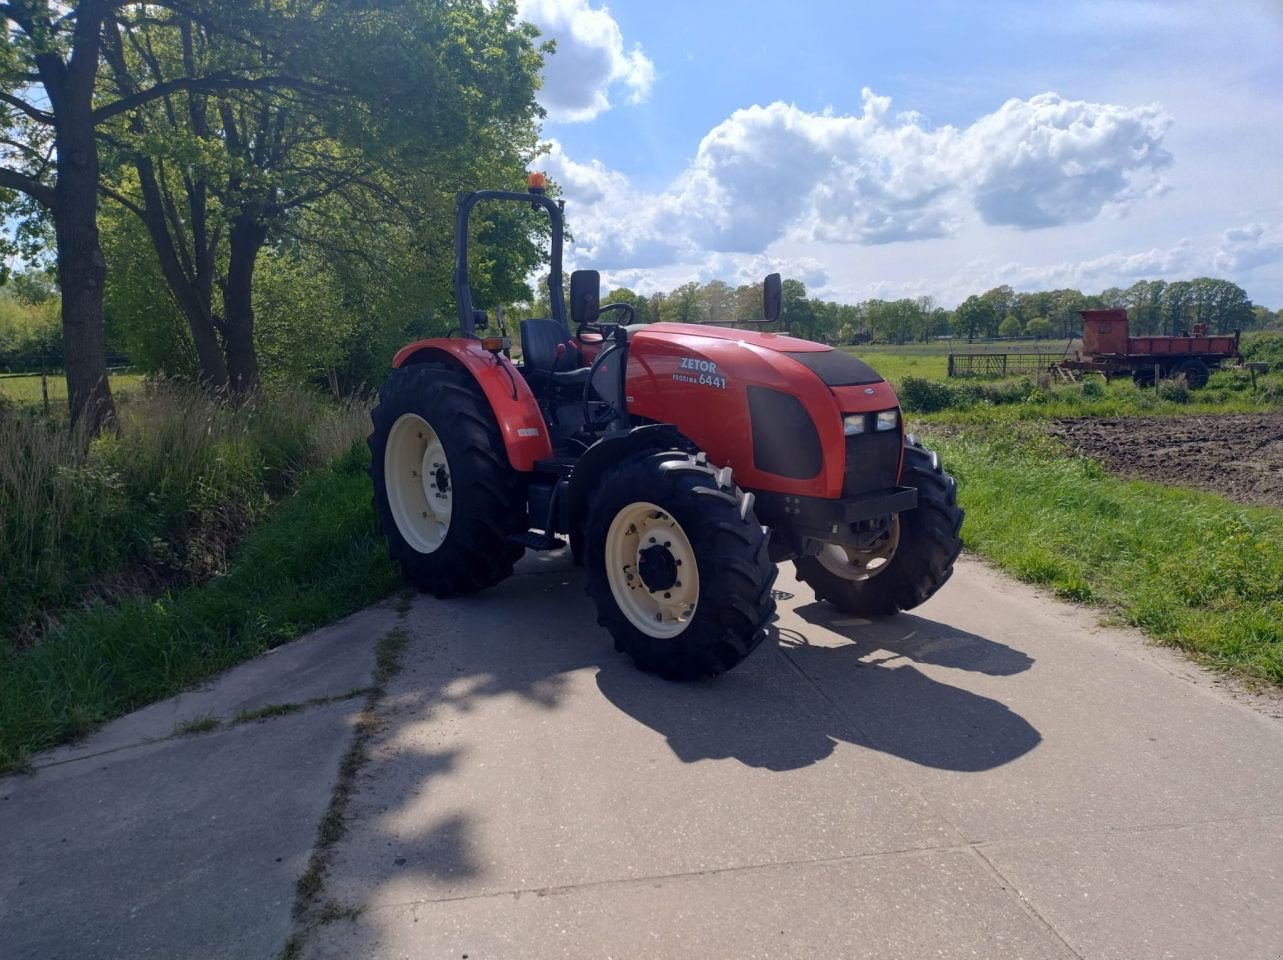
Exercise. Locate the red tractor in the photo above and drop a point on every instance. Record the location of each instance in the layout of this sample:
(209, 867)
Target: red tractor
(682, 462)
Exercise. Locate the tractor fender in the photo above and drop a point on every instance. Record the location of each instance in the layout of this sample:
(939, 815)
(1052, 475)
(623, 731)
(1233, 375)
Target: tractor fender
(525, 435)
(610, 450)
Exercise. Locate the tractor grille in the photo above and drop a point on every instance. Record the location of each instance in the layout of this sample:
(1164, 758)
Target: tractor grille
(872, 462)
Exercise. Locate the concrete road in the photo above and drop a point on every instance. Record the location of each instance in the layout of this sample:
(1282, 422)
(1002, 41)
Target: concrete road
(993, 776)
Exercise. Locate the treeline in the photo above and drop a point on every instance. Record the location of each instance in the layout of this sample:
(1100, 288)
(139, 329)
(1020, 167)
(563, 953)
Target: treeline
(234, 190)
(1154, 306)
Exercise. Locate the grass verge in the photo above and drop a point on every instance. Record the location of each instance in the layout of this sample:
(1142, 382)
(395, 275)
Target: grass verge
(1193, 570)
(316, 558)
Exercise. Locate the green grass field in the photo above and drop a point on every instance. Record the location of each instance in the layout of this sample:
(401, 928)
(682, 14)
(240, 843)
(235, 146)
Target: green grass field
(316, 559)
(1192, 569)
(25, 388)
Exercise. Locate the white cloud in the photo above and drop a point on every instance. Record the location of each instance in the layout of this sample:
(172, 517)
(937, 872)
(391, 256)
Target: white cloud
(1245, 248)
(779, 172)
(589, 62)
(1048, 161)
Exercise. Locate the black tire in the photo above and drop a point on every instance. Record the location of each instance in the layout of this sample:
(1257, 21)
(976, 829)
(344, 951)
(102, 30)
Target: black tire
(1195, 373)
(930, 542)
(734, 602)
(486, 490)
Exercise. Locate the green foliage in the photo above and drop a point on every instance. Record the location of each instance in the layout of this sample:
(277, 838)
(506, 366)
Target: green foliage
(1173, 391)
(1010, 326)
(1039, 327)
(315, 560)
(1264, 348)
(1092, 388)
(30, 329)
(162, 503)
(1193, 570)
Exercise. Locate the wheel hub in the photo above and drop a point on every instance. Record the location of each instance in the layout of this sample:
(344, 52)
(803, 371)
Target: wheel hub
(852, 564)
(651, 567)
(657, 567)
(417, 480)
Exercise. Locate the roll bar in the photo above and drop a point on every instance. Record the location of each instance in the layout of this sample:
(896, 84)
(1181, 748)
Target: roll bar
(463, 290)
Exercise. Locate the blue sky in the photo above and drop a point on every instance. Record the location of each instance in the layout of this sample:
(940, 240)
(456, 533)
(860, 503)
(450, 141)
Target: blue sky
(902, 149)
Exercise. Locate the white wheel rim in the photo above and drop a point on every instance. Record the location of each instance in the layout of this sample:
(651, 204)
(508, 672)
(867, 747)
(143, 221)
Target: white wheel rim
(420, 489)
(852, 564)
(651, 568)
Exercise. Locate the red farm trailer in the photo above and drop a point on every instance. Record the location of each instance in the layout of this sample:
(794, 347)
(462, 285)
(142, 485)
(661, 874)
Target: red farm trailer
(1108, 348)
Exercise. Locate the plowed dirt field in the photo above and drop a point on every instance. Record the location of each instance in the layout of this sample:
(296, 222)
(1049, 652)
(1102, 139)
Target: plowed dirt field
(1239, 456)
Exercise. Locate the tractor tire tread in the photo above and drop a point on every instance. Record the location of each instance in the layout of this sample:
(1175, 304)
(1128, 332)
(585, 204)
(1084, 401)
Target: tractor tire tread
(930, 543)
(735, 602)
(476, 553)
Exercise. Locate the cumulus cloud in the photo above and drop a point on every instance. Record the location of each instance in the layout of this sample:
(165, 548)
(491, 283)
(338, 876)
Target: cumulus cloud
(590, 60)
(1048, 161)
(775, 172)
(1255, 245)
(1112, 269)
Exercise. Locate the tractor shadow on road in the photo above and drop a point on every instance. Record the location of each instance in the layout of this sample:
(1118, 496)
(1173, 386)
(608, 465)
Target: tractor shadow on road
(791, 703)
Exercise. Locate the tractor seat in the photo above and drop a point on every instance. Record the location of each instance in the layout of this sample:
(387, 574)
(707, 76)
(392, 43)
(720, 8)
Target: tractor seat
(539, 341)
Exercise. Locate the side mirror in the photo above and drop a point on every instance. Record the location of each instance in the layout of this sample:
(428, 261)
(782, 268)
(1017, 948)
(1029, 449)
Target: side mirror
(772, 296)
(480, 320)
(585, 296)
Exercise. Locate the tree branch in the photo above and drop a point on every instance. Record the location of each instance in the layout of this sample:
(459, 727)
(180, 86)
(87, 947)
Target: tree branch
(40, 192)
(123, 200)
(210, 84)
(35, 113)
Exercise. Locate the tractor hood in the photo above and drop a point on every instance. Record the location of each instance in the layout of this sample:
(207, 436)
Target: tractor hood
(769, 341)
(836, 368)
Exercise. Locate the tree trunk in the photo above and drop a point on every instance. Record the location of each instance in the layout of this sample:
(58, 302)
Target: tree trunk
(194, 296)
(82, 271)
(246, 240)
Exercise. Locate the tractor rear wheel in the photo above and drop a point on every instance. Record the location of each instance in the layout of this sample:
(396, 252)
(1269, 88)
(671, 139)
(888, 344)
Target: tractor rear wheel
(677, 565)
(912, 561)
(444, 493)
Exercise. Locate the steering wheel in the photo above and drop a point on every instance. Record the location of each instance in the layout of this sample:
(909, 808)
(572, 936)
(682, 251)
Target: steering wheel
(600, 330)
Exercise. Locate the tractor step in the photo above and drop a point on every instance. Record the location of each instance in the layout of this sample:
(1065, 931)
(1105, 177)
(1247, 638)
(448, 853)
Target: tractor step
(532, 540)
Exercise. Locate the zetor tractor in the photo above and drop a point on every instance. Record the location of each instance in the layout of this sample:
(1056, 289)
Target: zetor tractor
(681, 461)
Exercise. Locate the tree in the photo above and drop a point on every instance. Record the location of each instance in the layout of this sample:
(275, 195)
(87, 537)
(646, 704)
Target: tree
(748, 303)
(683, 305)
(54, 108)
(719, 302)
(1002, 299)
(217, 177)
(974, 317)
(796, 313)
(1039, 328)
(640, 304)
(1010, 326)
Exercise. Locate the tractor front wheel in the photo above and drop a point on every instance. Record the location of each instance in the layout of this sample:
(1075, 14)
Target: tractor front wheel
(444, 492)
(910, 563)
(677, 565)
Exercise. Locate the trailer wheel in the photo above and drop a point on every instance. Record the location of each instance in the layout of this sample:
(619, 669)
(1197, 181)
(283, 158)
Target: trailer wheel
(1143, 377)
(913, 561)
(677, 565)
(1195, 373)
(444, 493)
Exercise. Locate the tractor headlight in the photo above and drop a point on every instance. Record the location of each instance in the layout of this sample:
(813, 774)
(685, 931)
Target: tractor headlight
(888, 419)
(852, 424)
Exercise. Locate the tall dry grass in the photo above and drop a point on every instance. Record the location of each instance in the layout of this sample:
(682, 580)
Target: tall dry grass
(161, 503)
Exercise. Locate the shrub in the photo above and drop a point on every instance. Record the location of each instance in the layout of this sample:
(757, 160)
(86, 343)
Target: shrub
(158, 505)
(1092, 388)
(919, 395)
(1173, 391)
(1264, 348)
